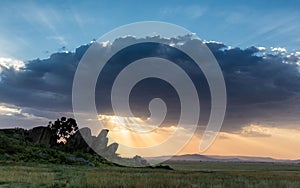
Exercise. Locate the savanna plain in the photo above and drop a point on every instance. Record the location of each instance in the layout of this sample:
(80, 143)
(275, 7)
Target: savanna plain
(184, 174)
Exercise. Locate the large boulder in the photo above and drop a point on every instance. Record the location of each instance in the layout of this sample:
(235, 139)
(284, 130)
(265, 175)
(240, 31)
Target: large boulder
(80, 139)
(111, 150)
(86, 135)
(140, 161)
(83, 139)
(41, 135)
(100, 142)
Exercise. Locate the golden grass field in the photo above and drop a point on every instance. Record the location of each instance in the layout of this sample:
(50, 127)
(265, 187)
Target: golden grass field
(185, 174)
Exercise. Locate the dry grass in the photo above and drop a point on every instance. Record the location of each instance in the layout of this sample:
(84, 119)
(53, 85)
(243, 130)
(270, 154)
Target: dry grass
(25, 176)
(184, 175)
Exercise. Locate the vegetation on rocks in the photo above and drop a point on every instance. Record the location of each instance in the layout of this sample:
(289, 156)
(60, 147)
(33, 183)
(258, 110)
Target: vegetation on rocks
(14, 147)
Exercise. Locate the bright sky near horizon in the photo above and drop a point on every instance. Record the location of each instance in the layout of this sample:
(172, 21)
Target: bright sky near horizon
(263, 82)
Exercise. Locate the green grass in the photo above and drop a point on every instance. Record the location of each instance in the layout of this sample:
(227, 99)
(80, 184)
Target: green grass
(186, 174)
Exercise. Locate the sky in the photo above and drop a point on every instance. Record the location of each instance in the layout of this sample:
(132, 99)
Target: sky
(256, 44)
(35, 29)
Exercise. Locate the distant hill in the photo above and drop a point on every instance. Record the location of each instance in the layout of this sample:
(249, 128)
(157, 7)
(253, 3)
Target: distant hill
(204, 158)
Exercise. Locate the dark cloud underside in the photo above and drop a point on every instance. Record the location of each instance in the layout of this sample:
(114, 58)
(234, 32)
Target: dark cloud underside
(261, 87)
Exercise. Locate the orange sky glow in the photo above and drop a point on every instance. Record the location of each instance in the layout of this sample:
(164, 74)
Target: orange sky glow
(252, 140)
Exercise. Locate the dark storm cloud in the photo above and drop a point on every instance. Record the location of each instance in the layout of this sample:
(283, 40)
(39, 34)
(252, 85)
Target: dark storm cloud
(254, 79)
(261, 87)
(42, 84)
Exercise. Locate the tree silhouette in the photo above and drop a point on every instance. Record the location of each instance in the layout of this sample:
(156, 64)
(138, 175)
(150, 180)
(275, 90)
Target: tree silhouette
(62, 129)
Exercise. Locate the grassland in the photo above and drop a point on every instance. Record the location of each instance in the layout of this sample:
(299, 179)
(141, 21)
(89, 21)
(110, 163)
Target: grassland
(185, 174)
(24, 164)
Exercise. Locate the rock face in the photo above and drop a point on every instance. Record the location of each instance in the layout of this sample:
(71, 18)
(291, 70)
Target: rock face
(41, 135)
(111, 150)
(140, 161)
(77, 140)
(100, 145)
(83, 139)
(100, 142)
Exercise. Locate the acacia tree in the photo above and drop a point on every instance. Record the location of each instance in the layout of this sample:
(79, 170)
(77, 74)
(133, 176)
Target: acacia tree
(62, 129)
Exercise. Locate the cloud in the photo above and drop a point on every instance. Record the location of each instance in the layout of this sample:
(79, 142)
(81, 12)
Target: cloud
(13, 116)
(7, 63)
(278, 49)
(42, 84)
(261, 48)
(255, 131)
(8, 111)
(262, 88)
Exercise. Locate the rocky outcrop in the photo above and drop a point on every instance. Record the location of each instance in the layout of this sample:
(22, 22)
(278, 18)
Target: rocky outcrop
(80, 141)
(77, 140)
(140, 161)
(83, 139)
(100, 142)
(41, 135)
(112, 148)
